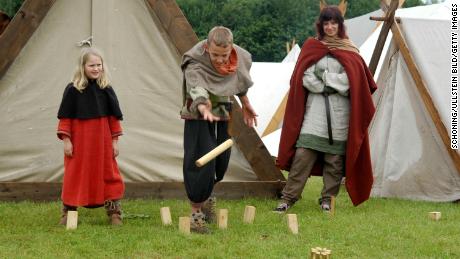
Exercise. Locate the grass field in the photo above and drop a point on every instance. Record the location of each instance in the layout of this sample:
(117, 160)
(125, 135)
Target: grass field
(380, 228)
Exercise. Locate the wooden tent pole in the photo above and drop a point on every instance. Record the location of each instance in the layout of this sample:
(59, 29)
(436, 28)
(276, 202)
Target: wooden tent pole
(20, 29)
(389, 18)
(277, 117)
(422, 89)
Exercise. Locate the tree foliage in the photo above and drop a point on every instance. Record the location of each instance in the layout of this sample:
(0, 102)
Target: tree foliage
(261, 26)
(10, 7)
(264, 26)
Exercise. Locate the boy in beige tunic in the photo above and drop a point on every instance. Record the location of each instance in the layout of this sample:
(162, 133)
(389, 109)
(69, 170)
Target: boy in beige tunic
(214, 70)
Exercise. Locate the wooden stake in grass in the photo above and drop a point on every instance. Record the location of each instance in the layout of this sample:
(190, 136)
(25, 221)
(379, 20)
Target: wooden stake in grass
(249, 214)
(184, 225)
(332, 205)
(165, 214)
(292, 223)
(72, 219)
(434, 215)
(222, 218)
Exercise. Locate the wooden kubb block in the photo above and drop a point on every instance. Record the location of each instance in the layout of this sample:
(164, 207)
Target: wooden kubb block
(72, 220)
(184, 225)
(434, 215)
(165, 214)
(222, 218)
(320, 253)
(292, 223)
(249, 214)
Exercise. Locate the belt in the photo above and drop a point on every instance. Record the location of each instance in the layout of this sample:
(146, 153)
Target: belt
(328, 91)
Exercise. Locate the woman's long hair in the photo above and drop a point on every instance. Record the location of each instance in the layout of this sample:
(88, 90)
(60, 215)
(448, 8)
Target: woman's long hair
(329, 13)
(80, 81)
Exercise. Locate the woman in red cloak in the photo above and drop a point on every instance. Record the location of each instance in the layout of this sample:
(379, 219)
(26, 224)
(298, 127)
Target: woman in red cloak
(89, 125)
(327, 115)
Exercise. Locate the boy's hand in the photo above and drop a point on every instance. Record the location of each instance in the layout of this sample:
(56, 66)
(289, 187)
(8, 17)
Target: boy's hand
(205, 110)
(249, 115)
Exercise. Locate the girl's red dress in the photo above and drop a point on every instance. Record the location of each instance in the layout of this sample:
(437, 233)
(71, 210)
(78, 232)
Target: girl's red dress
(91, 175)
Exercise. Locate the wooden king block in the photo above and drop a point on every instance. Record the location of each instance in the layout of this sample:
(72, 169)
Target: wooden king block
(292, 223)
(72, 219)
(434, 215)
(184, 225)
(165, 214)
(249, 214)
(222, 218)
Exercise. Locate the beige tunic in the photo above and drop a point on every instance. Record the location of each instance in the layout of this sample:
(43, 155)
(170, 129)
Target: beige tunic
(314, 133)
(202, 82)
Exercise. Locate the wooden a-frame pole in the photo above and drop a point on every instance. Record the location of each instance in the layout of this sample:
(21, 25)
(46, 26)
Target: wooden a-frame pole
(390, 22)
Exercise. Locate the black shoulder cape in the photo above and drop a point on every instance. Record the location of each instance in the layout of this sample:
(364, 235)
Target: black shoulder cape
(93, 102)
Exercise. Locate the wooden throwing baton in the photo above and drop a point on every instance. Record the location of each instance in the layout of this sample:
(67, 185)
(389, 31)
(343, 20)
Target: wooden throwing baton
(214, 153)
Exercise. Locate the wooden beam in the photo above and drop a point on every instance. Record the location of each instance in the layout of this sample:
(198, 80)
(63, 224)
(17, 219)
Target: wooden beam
(277, 117)
(15, 191)
(253, 148)
(389, 18)
(184, 38)
(20, 29)
(422, 89)
(174, 23)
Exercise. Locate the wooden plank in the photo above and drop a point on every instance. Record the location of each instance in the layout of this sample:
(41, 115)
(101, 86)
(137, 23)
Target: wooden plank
(389, 17)
(174, 23)
(422, 89)
(253, 148)
(20, 29)
(277, 117)
(15, 191)
(183, 37)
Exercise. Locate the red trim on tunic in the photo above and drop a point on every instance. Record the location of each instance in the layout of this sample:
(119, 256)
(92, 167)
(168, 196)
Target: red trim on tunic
(91, 175)
(358, 168)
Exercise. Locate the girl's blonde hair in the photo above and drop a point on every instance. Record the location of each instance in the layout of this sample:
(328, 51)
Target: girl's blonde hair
(80, 81)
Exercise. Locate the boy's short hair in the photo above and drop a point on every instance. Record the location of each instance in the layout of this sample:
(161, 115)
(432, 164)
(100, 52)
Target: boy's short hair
(221, 36)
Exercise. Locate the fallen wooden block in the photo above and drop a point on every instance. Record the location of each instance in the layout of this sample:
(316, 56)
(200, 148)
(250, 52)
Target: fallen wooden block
(72, 220)
(184, 225)
(292, 223)
(434, 215)
(249, 214)
(165, 214)
(222, 218)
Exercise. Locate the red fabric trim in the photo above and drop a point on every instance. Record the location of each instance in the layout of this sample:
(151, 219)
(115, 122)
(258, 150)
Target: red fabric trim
(359, 177)
(230, 67)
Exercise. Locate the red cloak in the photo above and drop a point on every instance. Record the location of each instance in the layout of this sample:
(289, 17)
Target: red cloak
(358, 168)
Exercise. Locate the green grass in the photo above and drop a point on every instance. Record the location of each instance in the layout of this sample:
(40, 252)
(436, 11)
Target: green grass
(380, 228)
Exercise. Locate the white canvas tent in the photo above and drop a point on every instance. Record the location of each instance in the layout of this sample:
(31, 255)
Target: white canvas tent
(409, 157)
(142, 42)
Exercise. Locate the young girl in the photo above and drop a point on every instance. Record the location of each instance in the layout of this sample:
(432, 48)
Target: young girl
(89, 125)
